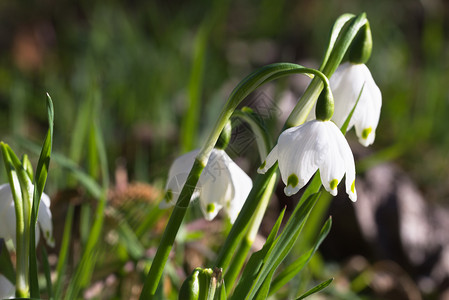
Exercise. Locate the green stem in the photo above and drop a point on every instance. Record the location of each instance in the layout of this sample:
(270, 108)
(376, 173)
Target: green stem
(242, 252)
(242, 223)
(332, 61)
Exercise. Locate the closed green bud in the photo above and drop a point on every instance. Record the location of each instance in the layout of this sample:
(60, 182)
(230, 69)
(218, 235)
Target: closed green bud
(201, 284)
(361, 46)
(225, 137)
(325, 105)
(190, 288)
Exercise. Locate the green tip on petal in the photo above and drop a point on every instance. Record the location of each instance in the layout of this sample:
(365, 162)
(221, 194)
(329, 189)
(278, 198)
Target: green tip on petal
(366, 132)
(262, 166)
(353, 187)
(210, 208)
(292, 180)
(333, 184)
(168, 196)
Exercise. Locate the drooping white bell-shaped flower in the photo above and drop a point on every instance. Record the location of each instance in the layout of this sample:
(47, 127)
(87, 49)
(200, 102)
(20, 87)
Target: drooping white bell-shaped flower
(7, 289)
(346, 84)
(8, 217)
(222, 184)
(304, 149)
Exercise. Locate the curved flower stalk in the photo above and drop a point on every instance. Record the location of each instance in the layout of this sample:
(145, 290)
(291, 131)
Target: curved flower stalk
(222, 184)
(304, 149)
(348, 83)
(8, 217)
(6, 288)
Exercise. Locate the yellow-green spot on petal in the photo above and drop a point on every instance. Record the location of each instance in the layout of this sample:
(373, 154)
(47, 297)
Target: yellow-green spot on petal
(333, 184)
(353, 187)
(263, 165)
(210, 207)
(168, 196)
(292, 180)
(366, 132)
(47, 234)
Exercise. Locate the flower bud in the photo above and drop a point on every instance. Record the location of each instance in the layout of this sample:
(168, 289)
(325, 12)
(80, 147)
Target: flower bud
(325, 105)
(190, 289)
(361, 46)
(225, 137)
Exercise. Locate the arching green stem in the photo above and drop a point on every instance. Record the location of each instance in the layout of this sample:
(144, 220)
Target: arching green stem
(345, 33)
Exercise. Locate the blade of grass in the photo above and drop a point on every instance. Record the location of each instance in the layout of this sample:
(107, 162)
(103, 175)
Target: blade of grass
(85, 267)
(46, 266)
(39, 184)
(64, 252)
(256, 260)
(316, 289)
(280, 249)
(288, 273)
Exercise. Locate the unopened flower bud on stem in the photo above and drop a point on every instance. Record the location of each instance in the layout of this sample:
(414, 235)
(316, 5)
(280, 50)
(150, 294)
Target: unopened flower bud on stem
(360, 50)
(325, 105)
(225, 137)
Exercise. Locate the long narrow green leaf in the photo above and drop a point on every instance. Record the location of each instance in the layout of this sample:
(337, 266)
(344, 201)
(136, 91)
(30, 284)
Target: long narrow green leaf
(262, 293)
(345, 125)
(281, 247)
(256, 261)
(316, 289)
(39, 184)
(6, 268)
(64, 252)
(335, 32)
(191, 120)
(47, 273)
(288, 273)
(84, 270)
(220, 293)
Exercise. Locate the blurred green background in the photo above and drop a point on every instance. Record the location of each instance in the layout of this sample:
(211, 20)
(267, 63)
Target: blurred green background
(154, 74)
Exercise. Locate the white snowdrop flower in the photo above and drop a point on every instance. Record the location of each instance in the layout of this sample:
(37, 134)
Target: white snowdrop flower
(8, 217)
(304, 149)
(346, 84)
(222, 184)
(7, 289)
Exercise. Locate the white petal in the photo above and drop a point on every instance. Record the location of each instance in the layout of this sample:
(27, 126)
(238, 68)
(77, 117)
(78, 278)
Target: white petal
(369, 113)
(7, 289)
(177, 177)
(269, 161)
(216, 188)
(301, 151)
(212, 197)
(346, 84)
(349, 165)
(7, 214)
(44, 219)
(242, 185)
(333, 167)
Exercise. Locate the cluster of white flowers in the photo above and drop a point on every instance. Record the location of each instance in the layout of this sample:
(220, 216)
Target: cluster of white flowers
(300, 151)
